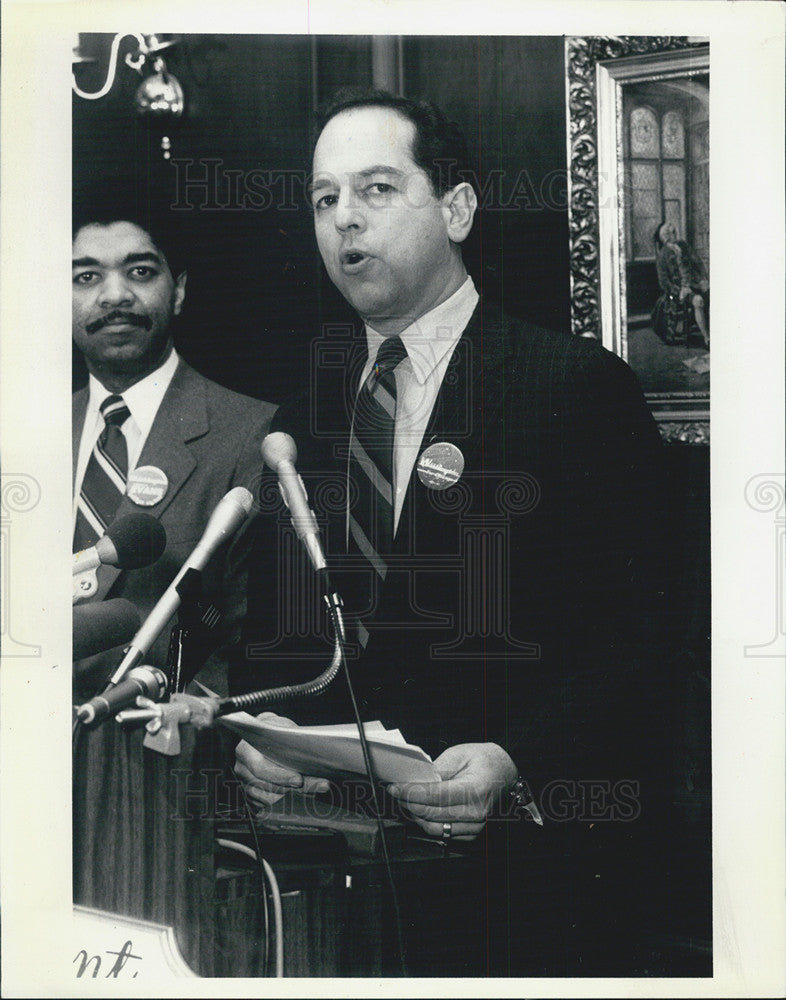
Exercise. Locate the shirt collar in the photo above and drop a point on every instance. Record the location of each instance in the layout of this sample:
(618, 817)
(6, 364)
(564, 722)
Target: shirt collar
(430, 337)
(143, 398)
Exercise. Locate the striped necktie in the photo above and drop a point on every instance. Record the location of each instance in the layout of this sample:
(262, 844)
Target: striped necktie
(104, 482)
(371, 479)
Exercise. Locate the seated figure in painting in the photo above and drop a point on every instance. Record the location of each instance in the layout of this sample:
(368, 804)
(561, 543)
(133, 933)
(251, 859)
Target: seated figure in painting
(684, 286)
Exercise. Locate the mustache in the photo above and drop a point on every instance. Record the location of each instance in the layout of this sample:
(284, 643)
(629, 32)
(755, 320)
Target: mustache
(134, 319)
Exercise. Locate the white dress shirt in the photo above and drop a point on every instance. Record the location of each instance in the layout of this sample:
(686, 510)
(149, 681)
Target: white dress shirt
(430, 342)
(142, 399)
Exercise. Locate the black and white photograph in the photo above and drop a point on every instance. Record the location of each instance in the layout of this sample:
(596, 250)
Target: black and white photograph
(422, 608)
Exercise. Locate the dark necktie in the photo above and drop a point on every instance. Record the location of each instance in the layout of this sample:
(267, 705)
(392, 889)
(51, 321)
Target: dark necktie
(104, 482)
(371, 479)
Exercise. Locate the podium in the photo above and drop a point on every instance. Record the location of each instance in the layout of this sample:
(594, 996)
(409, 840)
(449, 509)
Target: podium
(339, 920)
(142, 833)
(146, 846)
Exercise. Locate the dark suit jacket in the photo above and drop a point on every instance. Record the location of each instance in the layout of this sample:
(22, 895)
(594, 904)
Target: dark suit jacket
(521, 608)
(206, 440)
(522, 605)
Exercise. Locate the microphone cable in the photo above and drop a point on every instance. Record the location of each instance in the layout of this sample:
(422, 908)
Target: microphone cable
(260, 870)
(317, 686)
(338, 626)
(275, 892)
(226, 758)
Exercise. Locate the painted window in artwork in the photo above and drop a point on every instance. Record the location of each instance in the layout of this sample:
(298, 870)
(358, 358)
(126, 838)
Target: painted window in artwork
(674, 194)
(645, 204)
(673, 136)
(656, 173)
(644, 133)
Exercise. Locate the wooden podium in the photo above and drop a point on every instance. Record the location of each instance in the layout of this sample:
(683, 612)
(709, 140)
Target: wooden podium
(145, 846)
(142, 833)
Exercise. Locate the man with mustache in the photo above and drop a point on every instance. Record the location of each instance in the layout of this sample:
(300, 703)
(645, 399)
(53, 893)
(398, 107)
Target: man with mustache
(496, 623)
(184, 441)
(150, 435)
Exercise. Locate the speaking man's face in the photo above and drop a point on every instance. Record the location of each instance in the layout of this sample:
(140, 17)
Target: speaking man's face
(124, 298)
(381, 230)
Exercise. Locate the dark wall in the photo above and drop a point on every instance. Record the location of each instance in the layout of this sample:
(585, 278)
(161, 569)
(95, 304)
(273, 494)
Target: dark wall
(509, 95)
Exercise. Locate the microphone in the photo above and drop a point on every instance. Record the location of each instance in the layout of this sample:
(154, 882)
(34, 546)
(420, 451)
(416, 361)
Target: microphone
(280, 453)
(130, 542)
(231, 511)
(147, 681)
(103, 625)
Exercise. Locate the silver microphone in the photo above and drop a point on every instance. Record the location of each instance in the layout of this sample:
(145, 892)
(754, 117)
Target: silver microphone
(231, 511)
(280, 453)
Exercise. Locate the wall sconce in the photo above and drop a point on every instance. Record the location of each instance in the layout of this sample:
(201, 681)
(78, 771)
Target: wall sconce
(159, 97)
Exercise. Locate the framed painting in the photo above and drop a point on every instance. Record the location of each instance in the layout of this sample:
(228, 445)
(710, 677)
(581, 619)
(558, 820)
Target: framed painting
(638, 112)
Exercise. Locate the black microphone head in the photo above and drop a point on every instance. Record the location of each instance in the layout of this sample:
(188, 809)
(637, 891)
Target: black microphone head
(139, 540)
(278, 447)
(103, 625)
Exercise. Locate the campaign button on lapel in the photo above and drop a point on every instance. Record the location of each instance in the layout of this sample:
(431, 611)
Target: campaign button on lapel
(440, 465)
(146, 486)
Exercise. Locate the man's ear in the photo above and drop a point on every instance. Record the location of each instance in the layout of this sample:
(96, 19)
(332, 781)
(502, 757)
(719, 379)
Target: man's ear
(180, 292)
(459, 206)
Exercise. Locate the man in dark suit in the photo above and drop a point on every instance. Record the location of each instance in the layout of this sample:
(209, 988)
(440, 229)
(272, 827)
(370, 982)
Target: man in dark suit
(187, 440)
(502, 621)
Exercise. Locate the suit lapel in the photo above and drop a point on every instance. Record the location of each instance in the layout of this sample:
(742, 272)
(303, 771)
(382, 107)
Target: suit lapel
(466, 414)
(182, 417)
(467, 400)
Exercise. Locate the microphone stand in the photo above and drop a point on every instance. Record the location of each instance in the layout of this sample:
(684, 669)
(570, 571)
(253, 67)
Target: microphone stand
(163, 722)
(191, 634)
(163, 719)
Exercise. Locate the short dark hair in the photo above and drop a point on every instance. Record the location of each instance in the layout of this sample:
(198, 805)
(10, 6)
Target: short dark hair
(105, 205)
(439, 147)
